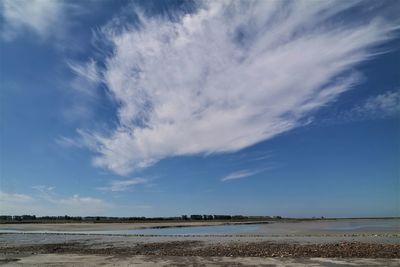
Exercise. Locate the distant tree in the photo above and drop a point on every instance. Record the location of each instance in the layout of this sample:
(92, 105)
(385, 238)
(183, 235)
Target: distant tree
(196, 217)
(208, 217)
(238, 217)
(222, 217)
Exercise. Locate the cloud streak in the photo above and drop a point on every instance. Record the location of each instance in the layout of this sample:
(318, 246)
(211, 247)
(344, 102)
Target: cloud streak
(77, 201)
(226, 77)
(37, 16)
(239, 175)
(123, 185)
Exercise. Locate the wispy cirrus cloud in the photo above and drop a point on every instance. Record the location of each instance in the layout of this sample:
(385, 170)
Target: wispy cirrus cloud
(379, 106)
(87, 77)
(38, 16)
(68, 142)
(231, 74)
(79, 202)
(239, 175)
(53, 21)
(123, 185)
(43, 188)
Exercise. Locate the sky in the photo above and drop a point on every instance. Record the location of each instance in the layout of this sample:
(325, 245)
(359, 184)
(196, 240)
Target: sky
(165, 108)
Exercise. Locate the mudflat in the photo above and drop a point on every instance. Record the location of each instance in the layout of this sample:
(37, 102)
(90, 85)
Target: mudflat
(114, 226)
(284, 243)
(150, 261)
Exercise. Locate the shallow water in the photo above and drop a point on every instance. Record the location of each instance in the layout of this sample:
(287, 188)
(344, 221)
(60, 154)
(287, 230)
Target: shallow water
(193, 230)
(365, 225)
(305, 227)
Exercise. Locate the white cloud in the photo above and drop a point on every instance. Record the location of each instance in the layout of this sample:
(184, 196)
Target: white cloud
(38, 16)
(43, 188)
(84, 95)
(379, 106)
(45, 192)
(87, 77)
(13, 198)
(123, 185)
(82, 202)
(239, 175)
(68, 142)
(14, 203)
(49, 203)
(226, 77)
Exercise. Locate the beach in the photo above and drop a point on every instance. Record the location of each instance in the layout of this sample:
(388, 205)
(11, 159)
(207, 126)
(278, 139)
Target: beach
(281, 243)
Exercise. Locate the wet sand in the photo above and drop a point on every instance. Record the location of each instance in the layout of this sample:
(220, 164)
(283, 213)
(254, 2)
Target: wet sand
(115, 226)
(89, 250)
(288, 244)
(149, 261)
(277, 228)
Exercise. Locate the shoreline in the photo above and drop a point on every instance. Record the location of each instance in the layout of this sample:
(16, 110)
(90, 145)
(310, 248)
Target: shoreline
(205, 235)
(158, 261)
(285, 243)
(119, 226)
(183, 247)
(384, 227)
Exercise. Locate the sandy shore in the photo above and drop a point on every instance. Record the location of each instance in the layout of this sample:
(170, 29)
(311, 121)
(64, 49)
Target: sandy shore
(277, 244)
(17, 244)
(150, 261)
(89, 250)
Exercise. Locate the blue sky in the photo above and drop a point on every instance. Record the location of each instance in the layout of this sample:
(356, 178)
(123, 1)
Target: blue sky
(153, 108)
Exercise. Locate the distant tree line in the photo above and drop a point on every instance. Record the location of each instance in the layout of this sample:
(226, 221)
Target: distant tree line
(66, 218)
(224, 217)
